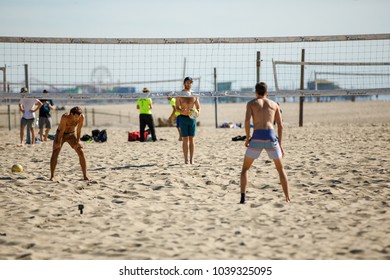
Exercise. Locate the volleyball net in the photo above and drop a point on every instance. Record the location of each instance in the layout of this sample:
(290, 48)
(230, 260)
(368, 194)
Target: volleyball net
(93, 68)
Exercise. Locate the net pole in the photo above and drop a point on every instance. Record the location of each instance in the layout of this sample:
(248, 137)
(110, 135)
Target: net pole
(26, 76)
(9, 117)
(184, 68)
(302, 87)
(275, 75)
(258, 64)
(215, 98)
(28, 134)
(4, 78)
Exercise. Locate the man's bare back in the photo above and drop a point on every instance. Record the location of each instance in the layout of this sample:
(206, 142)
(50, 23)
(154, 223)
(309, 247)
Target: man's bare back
(264, 113)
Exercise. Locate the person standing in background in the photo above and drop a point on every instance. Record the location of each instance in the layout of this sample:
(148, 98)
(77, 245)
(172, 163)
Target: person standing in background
(174, 117)
(144, 105)
(45, 117)
(28, 106)
(185, 104)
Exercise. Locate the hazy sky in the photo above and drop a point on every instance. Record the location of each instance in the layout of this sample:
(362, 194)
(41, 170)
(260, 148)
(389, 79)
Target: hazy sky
(196, 18)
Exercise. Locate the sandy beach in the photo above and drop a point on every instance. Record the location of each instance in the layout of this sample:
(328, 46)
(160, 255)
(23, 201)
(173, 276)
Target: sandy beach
(143, 202)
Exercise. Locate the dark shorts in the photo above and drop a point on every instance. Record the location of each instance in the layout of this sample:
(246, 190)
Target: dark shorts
(69, 137)
(28, 122)
(187, 126)
(44, 122)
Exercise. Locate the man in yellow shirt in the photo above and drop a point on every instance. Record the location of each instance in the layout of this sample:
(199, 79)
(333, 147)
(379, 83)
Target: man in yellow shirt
(174, 115)
(145, 116)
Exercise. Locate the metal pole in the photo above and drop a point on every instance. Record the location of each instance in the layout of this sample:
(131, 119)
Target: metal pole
(26, 76)
(184, 68)
(275, 76)
(4, 78)
(215, 98)
(302, 98)
(258, 64)
(9, 116)
(316, 85)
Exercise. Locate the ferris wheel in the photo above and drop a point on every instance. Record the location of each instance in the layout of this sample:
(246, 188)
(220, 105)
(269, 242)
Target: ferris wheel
(101, 77)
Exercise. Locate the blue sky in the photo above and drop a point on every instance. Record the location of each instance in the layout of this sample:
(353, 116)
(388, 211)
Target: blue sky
(196, 18)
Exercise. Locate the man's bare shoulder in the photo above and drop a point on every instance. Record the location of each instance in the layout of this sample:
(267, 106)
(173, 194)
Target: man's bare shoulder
(189, 98)
(251, 102)
(272, 103)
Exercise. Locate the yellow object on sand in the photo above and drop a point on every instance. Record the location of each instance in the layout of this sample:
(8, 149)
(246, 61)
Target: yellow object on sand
(17, 168)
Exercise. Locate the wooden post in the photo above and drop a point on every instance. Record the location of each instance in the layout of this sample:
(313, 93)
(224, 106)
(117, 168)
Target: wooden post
(56, 112)
(16, 118)
(215, 98)
(302, 87)
(86, 116)
(93, 117)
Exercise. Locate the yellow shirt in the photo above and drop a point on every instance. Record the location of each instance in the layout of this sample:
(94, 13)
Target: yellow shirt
(173, 103)
(144, 105)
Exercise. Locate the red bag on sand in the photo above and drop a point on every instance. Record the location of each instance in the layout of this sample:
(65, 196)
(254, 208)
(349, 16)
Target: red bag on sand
(136, 136)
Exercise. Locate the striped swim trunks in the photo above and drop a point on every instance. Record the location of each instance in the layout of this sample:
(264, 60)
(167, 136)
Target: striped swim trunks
(264, 139)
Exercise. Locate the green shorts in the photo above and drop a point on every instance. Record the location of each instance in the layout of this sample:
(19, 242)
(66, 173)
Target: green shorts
(187, 126)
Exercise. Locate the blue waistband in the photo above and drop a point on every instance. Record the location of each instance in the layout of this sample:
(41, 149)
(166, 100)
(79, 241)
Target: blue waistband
(264, 134)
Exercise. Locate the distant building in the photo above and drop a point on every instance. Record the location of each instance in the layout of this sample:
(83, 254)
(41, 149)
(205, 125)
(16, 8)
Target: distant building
(125, 89)
(224, 86)
(322, 85)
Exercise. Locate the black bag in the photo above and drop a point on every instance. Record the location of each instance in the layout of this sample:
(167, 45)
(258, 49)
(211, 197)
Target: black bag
(95, 135)
(86, 138)
(102, 136)
(99, 135)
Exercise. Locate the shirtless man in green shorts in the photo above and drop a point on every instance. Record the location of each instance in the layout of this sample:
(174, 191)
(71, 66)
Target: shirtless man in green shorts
(264, 113)
(185, 102)
(66, 132)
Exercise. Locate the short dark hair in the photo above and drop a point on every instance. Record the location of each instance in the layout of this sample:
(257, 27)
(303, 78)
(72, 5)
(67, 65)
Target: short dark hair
(187, 79)
(261, 88)
(76, 111)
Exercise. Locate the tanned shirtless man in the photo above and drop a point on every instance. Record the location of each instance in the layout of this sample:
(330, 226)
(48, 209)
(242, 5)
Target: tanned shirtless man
(186, 102)
(66, 132)
(264, 113)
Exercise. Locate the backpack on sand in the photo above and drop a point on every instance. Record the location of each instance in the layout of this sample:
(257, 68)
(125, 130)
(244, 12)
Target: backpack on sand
(102, 136)
(99, 135)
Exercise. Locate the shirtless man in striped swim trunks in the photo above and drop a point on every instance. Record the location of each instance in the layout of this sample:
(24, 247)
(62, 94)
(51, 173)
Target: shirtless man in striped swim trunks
(264, 113)
(69, 130)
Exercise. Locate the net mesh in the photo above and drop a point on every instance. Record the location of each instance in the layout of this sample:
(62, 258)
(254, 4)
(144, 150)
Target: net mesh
(106, 67)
